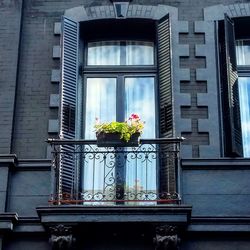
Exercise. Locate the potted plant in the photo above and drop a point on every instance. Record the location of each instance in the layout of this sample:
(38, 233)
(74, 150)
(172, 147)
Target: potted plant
(119, 133)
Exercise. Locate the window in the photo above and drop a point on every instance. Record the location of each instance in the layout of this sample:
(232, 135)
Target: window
(243, 66)
(123, 68)
(229, 90)
(112, 93)
(120, 53)
(235, 83)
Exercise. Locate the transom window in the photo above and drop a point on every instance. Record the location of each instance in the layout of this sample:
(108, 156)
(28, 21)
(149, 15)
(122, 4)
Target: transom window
(243, 52)
(120, 53)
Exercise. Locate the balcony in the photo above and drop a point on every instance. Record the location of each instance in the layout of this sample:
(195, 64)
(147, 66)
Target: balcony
(87, 175)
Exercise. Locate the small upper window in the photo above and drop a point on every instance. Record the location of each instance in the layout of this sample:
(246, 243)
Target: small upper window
(124, 53)
(243, 52)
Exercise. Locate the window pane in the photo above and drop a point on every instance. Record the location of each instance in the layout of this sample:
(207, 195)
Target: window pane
(100, 102)
(139, 53)
(104, 53)
(115, 53)
(140, 99)
(243, 52)
(244, 93)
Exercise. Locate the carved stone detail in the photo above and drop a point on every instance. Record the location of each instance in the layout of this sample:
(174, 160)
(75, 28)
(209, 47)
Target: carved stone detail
(166, 238)
(61, 237)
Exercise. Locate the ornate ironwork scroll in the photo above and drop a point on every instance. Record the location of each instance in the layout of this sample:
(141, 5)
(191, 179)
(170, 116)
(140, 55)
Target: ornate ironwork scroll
(118, 175)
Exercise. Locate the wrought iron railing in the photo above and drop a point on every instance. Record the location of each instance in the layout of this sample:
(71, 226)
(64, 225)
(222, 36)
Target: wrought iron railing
(85, 174)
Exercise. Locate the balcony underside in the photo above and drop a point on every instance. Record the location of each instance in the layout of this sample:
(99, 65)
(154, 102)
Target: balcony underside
(169, 214)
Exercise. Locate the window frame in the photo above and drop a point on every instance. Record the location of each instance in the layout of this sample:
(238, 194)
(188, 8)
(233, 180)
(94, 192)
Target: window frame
(161, 32)
(230, 110)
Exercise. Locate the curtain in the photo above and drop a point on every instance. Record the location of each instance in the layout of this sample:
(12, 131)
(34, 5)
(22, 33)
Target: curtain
(243, 52)
(104, 53)
(120, 53)
(139, 53)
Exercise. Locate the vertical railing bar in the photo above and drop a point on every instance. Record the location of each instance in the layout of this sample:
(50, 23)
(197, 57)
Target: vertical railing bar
(60, 156)
(54, 176)
(104, 176)
(168, 170)
(178, 182)
(147, 173)
(73, 157)
(93, 177)
(136, 178)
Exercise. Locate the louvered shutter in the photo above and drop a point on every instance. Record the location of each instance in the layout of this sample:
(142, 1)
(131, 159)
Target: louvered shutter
(67, 171)
(165, 83)
(167, 166)
(230, 91)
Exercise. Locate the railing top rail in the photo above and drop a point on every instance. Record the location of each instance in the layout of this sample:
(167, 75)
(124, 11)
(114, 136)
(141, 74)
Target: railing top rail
(141, 141)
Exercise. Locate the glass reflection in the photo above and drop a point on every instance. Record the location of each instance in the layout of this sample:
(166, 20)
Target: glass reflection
(100, 103)
(104, 53)
(140, 99)
(115, 53)
(244, 94)
(139, 53)
(243, 52)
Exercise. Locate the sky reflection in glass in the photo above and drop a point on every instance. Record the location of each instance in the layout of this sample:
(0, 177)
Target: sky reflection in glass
(140, 99)
(244, 93)
(100, 103)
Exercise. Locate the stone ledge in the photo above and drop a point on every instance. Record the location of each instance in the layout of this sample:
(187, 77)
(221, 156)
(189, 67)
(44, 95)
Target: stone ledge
(7, 221)
(220, 224)
(213, 163)
(8, 160)
(173, 214)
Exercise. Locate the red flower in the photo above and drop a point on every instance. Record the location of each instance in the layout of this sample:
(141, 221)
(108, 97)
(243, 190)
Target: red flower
(134, 116)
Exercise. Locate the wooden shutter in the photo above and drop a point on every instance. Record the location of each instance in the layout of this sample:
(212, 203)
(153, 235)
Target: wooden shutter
(167, 165)
(229, 88)
(70, 41)
(165, 83)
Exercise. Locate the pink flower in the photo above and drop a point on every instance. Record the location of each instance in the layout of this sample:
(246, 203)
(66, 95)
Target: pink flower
(134, 116)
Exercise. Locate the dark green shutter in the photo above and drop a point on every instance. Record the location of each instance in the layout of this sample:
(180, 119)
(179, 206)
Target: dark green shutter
(229, 88)
(70, 41)
(167, 166)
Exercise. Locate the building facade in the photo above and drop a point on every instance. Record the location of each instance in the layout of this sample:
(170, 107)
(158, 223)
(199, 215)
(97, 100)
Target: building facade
(183, 66)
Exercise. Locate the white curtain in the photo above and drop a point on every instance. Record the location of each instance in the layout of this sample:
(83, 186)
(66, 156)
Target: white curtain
(243, 52)
(104, 53)
(244, 94)
(108, 53)
(139, 53)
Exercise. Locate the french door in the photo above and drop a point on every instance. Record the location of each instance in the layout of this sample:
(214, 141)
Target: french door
(115, 98)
